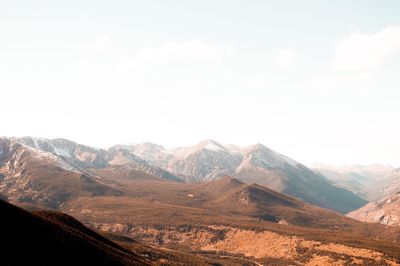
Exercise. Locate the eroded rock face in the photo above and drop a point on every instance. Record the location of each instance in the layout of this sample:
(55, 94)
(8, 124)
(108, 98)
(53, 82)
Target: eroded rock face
(259, 245)
(385, 211)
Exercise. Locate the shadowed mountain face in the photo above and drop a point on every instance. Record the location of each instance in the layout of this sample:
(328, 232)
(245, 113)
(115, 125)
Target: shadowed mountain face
(47, 238)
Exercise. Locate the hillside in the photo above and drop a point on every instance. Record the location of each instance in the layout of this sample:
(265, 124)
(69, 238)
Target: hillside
(154, 202)
(228, 218)
(257, 201)
(44, 238)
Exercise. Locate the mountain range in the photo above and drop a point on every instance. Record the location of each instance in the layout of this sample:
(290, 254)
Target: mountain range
(210, 160)
(34, 166)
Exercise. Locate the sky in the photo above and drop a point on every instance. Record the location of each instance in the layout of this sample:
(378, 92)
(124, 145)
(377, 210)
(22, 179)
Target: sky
(318, 81)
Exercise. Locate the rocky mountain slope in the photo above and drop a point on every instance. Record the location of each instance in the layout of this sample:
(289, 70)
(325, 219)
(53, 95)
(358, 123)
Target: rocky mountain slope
(385, 211)
(265, 167)
(86, 158)
(50, 172)
(205, 161)
(34, 176)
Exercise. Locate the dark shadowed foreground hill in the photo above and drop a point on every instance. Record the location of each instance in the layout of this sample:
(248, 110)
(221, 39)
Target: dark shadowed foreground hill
(48, 238)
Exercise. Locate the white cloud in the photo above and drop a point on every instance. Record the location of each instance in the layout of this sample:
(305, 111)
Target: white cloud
(230, 50)
(285, 58)
(257, 79)
(101, 43)
(174, 56)
(179, 53)
(336, 80)
(359, 51)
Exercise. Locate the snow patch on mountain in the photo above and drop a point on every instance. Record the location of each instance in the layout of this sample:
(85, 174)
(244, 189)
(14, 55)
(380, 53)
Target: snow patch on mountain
(43, 155)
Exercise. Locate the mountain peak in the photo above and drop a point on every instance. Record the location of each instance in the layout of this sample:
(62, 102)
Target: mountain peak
(149, 145)
(260, 155)
(148, 148)
(210, 144)
(257, 146)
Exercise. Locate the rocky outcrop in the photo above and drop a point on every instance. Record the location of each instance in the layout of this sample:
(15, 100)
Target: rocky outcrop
(385, 211)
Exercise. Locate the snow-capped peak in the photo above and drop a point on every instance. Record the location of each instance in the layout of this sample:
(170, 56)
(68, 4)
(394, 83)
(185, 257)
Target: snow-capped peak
(211, 145)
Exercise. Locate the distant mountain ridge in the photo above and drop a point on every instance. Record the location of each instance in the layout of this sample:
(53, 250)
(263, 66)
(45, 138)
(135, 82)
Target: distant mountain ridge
(85, 157)
(371, 182)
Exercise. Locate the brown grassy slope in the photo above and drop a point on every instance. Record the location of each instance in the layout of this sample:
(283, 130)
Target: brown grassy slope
(263, 203)
(229, 202)
(54, 239)
(227, 197)
(126, 216)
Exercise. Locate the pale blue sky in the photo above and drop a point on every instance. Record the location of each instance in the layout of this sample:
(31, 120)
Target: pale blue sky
(316, 80)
